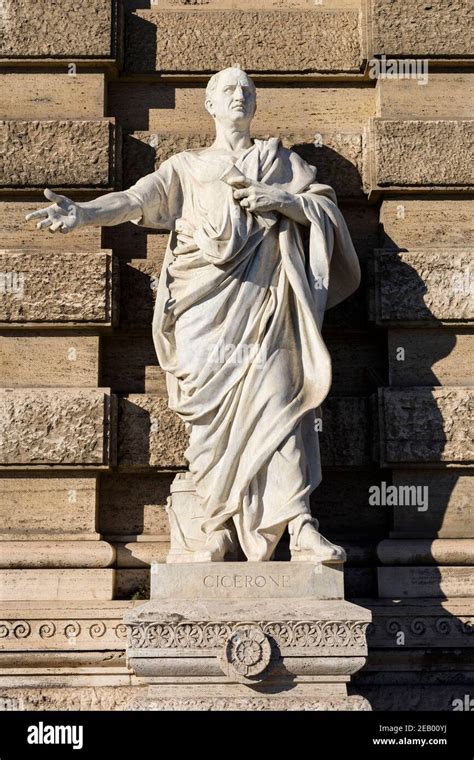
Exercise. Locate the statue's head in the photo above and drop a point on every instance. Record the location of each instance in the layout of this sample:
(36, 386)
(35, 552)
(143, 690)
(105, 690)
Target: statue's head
(231, 97)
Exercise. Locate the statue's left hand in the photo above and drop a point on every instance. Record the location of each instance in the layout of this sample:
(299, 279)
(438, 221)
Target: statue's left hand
(257, 196)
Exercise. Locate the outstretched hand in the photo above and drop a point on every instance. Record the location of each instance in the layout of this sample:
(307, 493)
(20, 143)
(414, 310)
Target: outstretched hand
(64, 215)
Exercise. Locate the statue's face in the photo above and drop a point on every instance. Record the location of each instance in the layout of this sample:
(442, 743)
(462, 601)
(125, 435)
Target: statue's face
(232, 101)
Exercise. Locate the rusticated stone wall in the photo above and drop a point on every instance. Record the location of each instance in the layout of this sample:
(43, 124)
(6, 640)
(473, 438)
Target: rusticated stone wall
(96, 93)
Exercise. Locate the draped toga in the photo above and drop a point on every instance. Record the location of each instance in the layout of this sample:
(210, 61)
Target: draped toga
(237, 329)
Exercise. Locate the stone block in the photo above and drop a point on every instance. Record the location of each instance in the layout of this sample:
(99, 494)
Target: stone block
(435, 284)
(449, 513)
(431, 357)
(42, 585)
(442, 96)
(62, 428)
(46, 507)
(250, 581)
(441, 551)
(31, 31)
(63, 153)
(57, 288)
(427, 582)
(66, 626)
(56, 554)
(132, 507)
(52, 96)
(426, 624)
(407, 28)
(345, 438)
(415, 153)
(315, 40)
(49, 361)
(425, 425)
(150, 434)
(415, 223)
(341, 504)
(126, 359)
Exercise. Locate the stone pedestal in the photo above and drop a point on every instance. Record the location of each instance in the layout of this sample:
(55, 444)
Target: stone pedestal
(245, 636)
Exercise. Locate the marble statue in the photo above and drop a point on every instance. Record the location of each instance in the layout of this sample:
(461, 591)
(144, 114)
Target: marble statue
(238, 317)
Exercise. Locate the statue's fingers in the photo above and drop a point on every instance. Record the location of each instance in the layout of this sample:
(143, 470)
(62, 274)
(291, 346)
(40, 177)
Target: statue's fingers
(55, 226)
(241, 181)
(243, 193)
(42, 213)
(44, 224)
(61, 200)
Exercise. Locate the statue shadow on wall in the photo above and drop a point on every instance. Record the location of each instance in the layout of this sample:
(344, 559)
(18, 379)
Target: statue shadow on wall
(431, 628)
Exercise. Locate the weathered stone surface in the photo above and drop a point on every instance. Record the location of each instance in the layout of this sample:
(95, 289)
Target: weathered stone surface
(193, 41)
(428, 582)
(62, 153)
(442, 551)
(249, 581)
(43, 427)
(421, 425)
(438, 29)
(414, 153)
(44, 507)
(56, 287)
(86, 697)
(450, 513)
(52, 96)
(436, 286)
(338, 156)
(15, 233)
(56, 554)
(411, 223)
(133, 506)
(48, 361)
(41, 585)
(68, 29)
(442, 96)
(151, 435)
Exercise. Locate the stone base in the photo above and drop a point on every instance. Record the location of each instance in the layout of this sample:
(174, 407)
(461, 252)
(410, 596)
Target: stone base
(248, 703)
(273, 636)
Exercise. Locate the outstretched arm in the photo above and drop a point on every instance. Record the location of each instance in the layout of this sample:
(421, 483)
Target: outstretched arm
(258, 196)
(66, 215)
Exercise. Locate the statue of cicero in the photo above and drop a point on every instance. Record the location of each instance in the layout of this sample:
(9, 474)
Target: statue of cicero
(238, 317)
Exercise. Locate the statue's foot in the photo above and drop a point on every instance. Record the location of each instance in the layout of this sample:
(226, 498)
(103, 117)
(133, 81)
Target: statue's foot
(217, 546)
(308, 545)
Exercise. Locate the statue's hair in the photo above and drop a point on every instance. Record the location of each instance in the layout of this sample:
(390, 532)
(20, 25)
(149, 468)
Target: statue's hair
(212, 84)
